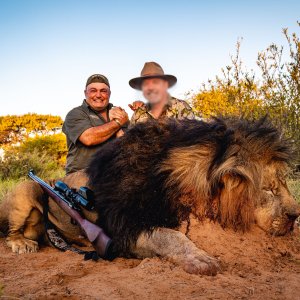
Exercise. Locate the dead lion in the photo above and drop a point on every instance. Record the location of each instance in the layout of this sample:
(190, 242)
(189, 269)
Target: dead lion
(148, 182)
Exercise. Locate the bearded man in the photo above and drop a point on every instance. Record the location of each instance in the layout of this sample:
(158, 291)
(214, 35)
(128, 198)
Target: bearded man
(89, 126)
(154, 84)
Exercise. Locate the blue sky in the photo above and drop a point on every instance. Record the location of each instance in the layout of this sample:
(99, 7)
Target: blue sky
(49, 48)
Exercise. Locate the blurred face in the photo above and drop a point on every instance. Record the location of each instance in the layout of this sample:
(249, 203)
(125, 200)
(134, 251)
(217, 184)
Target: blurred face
(155, 90)
(97, 95)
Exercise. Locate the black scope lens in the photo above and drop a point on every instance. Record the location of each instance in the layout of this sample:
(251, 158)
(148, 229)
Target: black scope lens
(77, 198)
(61, 187)
(82, 201)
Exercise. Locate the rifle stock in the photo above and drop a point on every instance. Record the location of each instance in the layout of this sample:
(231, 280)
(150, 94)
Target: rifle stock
(96, 235)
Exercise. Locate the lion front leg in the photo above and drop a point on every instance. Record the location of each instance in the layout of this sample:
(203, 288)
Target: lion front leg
(176, 247)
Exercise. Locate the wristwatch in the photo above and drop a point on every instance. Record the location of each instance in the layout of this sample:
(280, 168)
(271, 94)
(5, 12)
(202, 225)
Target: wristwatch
(118, 122)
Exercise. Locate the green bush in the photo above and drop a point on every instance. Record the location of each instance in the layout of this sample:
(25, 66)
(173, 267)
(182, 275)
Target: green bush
(6, 186)
(274, 91)
(54, 146)
(46, 155)
(17, 165)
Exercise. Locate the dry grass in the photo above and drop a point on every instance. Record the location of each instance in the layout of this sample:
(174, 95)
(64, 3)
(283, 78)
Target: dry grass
(294, 186)
(6, 186)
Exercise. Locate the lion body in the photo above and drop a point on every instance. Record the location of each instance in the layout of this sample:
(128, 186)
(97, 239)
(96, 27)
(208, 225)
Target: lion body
(161, 172)
(150, 181)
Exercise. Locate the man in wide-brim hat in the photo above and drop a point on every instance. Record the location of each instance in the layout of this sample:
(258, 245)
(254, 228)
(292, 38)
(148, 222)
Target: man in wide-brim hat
(154, 84)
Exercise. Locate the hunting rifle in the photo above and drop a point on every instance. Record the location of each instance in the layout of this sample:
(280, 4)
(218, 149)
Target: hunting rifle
(71, 203)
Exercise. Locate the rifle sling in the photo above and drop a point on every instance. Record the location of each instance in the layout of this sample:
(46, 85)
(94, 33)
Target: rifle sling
(56, 240)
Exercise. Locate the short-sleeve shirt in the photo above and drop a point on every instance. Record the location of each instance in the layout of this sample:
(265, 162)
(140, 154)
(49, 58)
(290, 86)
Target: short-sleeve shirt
(78, 120)
(175, 108)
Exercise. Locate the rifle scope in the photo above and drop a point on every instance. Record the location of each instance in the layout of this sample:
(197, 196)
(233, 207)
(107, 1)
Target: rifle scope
(83, 197)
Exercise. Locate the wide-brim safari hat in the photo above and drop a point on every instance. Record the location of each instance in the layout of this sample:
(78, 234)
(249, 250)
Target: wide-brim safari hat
(152, 70)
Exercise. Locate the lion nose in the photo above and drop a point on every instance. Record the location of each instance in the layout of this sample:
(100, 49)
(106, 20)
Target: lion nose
(293, 214)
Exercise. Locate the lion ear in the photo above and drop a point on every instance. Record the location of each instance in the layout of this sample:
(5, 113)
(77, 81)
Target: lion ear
(236, 202)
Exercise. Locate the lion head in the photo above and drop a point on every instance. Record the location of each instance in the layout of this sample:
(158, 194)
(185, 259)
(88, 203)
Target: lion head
(276, 209)
(264, 200)
(238, 178)
(260, 156)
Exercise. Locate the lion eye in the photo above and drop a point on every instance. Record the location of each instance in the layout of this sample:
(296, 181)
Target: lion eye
(269, 192)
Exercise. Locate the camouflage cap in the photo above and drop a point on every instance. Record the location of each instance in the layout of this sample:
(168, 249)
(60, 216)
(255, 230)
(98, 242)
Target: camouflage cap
(97, 78)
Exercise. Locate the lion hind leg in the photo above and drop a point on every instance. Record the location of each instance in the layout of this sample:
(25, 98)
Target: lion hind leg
(176, 247)
(25, 220)
(34, 228)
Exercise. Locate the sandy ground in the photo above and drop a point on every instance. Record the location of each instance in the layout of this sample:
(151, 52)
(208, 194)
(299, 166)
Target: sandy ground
(255, 266)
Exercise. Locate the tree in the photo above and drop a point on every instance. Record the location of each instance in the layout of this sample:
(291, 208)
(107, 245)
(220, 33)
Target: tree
(30, 122)
(276, 91)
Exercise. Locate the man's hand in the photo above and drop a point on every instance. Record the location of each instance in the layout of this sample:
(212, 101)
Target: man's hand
(115, 113)
(136, 104)
(99, 134)
(119, 114)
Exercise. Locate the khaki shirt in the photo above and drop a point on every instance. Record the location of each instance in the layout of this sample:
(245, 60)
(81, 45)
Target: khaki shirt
(175, 108)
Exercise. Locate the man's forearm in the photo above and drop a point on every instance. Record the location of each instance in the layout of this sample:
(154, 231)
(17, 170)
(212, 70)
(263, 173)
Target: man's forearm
(99, 134)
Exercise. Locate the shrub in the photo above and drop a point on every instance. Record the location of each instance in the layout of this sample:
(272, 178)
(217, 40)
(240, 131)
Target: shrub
(54, 146)
(16, 165)
(30, 122)
(275, 92)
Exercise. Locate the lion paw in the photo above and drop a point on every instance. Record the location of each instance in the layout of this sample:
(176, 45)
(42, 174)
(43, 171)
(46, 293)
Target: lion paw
(201, 264)
(22, 245)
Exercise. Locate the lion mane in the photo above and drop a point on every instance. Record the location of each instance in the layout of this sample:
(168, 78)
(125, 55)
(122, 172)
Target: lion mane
(161, 172)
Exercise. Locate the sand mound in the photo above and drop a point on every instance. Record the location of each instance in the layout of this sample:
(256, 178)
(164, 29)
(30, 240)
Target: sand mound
(254, 266)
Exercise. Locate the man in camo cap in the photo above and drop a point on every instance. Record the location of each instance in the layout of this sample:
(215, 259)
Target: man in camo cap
(91, 125)
(154, 84)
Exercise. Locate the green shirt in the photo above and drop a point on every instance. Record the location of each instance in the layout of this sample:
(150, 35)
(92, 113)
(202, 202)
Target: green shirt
(175, 108)
(78, 120)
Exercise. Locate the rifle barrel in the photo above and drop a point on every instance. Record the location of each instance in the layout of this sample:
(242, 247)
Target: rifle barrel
(57, 197)
(95, 234)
